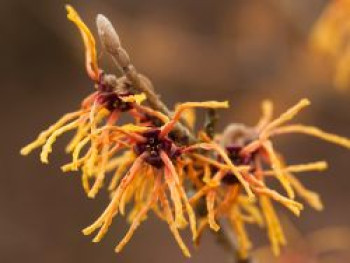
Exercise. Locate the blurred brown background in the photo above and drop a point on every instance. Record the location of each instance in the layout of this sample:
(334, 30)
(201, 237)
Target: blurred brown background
(243, 51)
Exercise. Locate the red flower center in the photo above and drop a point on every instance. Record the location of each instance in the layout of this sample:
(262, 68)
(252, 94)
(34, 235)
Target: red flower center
(154, 145)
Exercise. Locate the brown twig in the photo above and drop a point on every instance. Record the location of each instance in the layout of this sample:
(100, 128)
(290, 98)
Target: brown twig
(111, 43)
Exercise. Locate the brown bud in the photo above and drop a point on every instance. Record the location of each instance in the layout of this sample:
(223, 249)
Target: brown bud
(110, 80)
(108, 35)
(123, 58)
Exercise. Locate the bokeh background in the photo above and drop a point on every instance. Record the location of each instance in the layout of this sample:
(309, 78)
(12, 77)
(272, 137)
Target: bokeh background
(243, 51)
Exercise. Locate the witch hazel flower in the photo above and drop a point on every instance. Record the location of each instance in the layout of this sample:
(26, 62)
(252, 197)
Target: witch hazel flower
(252, 151)
(159, 158)
(102, 108)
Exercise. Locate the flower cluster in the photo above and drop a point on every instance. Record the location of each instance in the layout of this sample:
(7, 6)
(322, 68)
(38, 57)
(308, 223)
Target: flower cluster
(197, 181)
(330, 37)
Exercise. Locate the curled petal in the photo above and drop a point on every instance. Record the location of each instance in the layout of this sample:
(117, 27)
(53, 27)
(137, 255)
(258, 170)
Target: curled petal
(284, 117)
(45, 134)
(277, 167)
(267, 111)
(211, 212)
(138, 218)
(189, 105)
(47, 148)
(275, 232)
(315, 166)
(311, 197)
(173, 228)
(89, 42)
(316, 132)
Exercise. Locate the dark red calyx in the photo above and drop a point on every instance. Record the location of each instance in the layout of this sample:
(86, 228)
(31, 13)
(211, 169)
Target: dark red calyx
(154, 145)
(110, 97)
(234, 153)
(112, 101)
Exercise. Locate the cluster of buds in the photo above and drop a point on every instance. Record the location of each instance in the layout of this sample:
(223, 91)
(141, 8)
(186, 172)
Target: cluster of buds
(158, 162)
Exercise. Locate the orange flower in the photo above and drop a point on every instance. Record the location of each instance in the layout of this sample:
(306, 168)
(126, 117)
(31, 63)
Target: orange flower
(102, 108)
(154, 170)
(89, 42)
(251, 151)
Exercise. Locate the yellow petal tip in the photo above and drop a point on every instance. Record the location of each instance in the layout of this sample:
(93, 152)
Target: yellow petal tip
(306, 101)
(91, 195)
(96, 240)
(23, 151)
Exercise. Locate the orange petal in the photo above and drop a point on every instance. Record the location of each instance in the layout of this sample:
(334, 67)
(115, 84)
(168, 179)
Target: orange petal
(89, 42)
